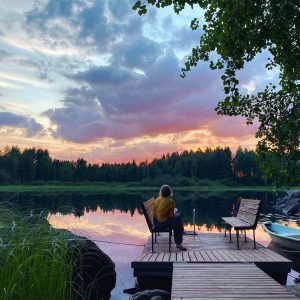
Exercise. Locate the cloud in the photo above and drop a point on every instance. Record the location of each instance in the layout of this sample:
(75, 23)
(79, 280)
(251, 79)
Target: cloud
(40, 68)
(232, 127)
(139, 90)
(83, 23)
(4, 54)
(137, 52)
(138, 152)
(120, 75)
(156, 102)
(12, 120)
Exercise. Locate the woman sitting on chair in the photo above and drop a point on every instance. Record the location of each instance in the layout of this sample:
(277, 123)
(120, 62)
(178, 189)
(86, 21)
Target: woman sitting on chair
(165, 216)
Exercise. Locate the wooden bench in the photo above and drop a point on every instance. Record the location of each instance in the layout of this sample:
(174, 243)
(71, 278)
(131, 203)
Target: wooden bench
(246, 219)
(148, 210)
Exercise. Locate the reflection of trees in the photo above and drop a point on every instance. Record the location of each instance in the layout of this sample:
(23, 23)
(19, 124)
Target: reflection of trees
(210, 206)
(77, 204)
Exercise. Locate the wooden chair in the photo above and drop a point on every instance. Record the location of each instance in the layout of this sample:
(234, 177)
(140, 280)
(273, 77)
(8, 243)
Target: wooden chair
(246, 219)
(148, 210)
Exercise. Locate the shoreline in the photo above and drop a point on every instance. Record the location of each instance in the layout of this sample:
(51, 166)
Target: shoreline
(113, 188)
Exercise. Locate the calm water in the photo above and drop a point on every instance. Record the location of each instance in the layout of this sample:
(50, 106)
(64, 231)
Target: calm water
(115, 222)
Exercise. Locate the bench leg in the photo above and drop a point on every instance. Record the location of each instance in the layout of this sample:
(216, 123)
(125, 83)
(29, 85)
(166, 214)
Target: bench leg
(254, 238)
(152, 242)
(155, 238)
(230, 241)
(225, 229)
(245, 237)
(237, 239)
(170, 234)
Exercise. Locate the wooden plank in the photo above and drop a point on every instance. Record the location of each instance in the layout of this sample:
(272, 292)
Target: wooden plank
(220, 256)
(141, 257)
(167, 257)
(223, 253)
(205, 256)
(153, 257)
(268, 255)
(198, 255)
(193, 257)
(179, 256)
(147, 256)
(233, 255)
(173, 256)
(160, 257)
(185, 256)
(218, 247)
(211, 256)
(221, 281)
(276, 256)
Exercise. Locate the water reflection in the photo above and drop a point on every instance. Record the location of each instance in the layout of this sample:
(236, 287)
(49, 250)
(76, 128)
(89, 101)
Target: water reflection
(106, 228)
(117, 218)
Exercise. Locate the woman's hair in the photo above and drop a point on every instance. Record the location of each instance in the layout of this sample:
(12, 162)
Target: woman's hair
(166, 191)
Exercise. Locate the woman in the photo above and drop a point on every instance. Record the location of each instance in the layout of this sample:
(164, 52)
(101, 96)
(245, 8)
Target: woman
(164, 215)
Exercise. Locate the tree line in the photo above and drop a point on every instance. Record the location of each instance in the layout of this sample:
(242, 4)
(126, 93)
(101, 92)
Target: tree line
(35, 165)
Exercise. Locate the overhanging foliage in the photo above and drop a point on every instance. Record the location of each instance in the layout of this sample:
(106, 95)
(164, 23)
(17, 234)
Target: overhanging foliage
(237, 31)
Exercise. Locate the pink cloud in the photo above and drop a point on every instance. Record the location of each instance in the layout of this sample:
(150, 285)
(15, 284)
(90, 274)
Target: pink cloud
(235, 127)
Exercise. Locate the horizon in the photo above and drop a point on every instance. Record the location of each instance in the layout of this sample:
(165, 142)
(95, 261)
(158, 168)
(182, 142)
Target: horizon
(94, 79)
(148, 161)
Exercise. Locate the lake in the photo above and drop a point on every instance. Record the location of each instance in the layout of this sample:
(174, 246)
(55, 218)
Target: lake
(116, 224)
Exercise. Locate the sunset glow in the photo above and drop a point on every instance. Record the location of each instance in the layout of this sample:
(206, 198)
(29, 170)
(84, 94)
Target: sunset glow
(93, 79)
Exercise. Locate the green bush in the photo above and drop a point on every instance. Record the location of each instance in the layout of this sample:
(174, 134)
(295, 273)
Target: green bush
(39, 182)
(228, 182)
(206, 182)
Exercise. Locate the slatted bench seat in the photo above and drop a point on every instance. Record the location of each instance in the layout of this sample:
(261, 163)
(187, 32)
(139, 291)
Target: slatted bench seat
(246, 219)
(148, 210)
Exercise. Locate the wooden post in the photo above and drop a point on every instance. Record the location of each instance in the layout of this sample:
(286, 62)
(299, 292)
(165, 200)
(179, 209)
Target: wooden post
(237, 239)
(152, 241)
(194, 220)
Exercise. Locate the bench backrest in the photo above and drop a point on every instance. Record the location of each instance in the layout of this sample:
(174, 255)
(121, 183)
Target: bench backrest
(249, 211)
(148, 210)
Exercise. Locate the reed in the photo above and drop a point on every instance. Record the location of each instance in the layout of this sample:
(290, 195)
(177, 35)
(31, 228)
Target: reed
(34, 260)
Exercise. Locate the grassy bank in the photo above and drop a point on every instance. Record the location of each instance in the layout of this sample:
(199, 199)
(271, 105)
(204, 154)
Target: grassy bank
(33, 259)
(119, 188)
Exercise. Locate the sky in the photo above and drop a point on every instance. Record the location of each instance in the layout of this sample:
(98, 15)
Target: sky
(93, 79)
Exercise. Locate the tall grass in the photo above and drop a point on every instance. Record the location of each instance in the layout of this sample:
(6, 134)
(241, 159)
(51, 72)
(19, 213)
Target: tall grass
(34, 260)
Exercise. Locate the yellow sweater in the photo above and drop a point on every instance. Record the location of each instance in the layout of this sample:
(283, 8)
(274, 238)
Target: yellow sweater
(162, 207)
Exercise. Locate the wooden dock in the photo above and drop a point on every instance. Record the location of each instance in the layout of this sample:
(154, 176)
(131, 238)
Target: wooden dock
(214, 253)
(229, 281)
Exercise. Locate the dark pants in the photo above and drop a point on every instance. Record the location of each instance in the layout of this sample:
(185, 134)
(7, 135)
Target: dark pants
(175, 223)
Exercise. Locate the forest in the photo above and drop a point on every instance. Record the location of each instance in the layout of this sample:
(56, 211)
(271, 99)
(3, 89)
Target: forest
(35, 166)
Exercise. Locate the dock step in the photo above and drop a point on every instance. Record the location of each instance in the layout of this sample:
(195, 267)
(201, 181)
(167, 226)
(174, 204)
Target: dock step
(224, 281)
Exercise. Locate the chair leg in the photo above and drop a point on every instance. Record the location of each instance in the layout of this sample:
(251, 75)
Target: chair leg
(245, 237)
(170, 234)
(237, 239)
(155, 238)
(225, 228)
(254, 238)
(230, 235)
(152, 242)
